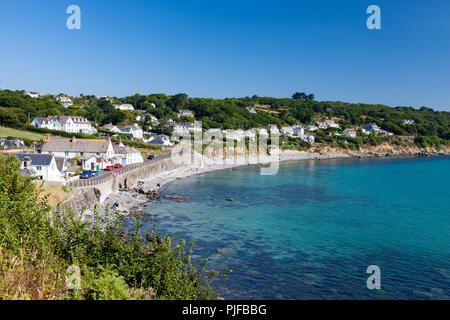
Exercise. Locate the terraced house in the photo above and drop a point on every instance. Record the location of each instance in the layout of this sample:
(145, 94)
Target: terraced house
(93, 154)
(65, 123)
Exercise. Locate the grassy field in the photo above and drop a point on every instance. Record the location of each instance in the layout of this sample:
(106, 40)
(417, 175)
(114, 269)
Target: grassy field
(9, 132)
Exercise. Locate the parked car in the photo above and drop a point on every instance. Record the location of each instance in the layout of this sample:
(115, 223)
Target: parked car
(117, 166)
(151, 157)
(86, 174)
(109, 168)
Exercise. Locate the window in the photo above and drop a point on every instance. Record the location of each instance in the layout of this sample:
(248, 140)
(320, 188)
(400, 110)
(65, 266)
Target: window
(38, 168)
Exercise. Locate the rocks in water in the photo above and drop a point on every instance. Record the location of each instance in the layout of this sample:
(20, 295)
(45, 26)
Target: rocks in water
(152, 195)
(139, 213)
(166, 196)
(246, 198)
(230, 199)
(220, 250)
(180, 201)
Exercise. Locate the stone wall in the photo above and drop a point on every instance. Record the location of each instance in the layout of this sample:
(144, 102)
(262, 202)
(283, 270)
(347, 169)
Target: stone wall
(88, 197)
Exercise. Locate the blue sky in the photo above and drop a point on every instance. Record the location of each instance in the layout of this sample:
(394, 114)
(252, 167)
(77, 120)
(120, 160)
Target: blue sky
(231, 49)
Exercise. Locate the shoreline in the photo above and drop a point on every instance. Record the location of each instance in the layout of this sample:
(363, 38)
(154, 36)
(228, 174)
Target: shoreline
(132, 202)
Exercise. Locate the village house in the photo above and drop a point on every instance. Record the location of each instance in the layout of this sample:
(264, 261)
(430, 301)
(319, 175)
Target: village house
(322, 125)
(351, 133)
(408, 122)
(298, 130)
(273, 129)
(332, 124)
(65, 101)
(124, 106)
(311, 128)
(126, 155)
(33, 94)
(287, 131)
(372, 128)
(307, 138)
(185, 113)
(160, 140)
(82, 150)
(251, 110)
(134, 130)
(65, 123)
(12, 144)
(43, 166)
(262, 131)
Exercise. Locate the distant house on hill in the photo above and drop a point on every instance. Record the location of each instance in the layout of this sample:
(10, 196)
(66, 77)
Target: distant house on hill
(69, 124)
(185, 113)
(33, 94)
(124, 106)
(160, 140)
(65, 101)
(372, 127)
(351, 133)
(6, 143)
(251, 110)
(408, 122)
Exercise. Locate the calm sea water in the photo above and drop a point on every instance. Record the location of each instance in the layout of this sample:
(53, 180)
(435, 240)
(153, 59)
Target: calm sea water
(311, 231)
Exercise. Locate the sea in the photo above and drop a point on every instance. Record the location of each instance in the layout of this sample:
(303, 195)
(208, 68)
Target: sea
(317, 229)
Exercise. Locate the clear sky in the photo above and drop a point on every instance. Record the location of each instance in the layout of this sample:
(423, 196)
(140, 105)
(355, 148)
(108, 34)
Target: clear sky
(231, 48)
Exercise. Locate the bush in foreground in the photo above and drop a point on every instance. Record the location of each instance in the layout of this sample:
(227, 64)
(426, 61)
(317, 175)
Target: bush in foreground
(38, 244)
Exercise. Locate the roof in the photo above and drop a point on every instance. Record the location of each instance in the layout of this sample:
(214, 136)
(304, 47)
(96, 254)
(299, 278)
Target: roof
(12, 143)
(59, 163)
(120, 148)
(37, 159)
(77, 145)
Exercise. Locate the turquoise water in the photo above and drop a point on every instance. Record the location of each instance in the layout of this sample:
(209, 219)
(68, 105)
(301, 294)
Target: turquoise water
(311, 231)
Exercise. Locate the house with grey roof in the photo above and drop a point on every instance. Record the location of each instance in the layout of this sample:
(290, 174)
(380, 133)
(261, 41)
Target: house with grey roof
(43, 166)
(78, 148)
(12, 144)
(126, 155)
(72, 124)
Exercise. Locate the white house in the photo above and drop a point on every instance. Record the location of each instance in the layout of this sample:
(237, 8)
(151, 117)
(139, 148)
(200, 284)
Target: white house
(185, 113)
(33, 94)
(43, 166)
(372, 127)
(78, 148)
(251, 110)
(322, 125)
(332, 124)
(262, 131)
(311, 128)
(307, 138)
(408, 122)
(273, 129)
(298, 130)
(65, 123)
(349, 133)
(160, 140)
(126, 155)
(65, 101)
(287, 131)
(124, 106)
(134, 130)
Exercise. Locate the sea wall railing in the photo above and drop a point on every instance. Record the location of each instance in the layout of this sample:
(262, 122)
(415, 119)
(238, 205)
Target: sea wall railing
(108, 175)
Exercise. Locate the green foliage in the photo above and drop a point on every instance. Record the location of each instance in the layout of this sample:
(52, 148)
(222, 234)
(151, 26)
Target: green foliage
(230, 113)
(114, 259)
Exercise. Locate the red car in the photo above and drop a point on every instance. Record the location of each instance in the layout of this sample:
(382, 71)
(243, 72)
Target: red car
(109, 168)
(118, 165)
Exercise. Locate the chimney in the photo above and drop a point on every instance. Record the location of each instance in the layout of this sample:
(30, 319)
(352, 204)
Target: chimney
(47, 137)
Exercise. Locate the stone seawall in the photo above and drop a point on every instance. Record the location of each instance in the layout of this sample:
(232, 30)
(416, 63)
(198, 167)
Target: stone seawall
(88, 197)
